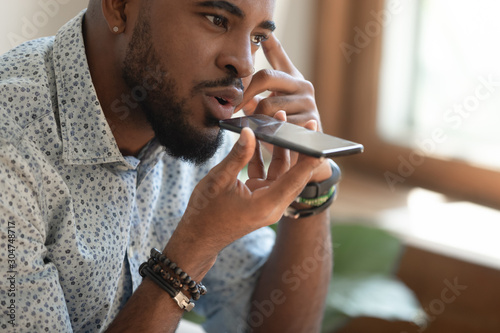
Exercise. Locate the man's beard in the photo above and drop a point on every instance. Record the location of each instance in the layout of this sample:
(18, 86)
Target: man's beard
(155, 92)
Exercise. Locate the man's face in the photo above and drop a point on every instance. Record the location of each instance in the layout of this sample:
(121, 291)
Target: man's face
(193, 59)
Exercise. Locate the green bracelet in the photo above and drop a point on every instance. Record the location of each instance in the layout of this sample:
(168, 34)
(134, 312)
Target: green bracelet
(316, 202)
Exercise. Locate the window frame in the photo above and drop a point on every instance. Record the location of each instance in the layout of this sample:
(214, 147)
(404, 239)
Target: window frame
(347, 97)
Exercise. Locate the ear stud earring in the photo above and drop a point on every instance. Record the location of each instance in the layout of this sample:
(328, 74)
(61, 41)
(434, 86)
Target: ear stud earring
(115, 29)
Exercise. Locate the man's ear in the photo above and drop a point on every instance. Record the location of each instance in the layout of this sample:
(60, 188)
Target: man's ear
(115, 15)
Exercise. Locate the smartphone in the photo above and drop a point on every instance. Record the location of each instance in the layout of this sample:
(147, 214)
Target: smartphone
(293, 137)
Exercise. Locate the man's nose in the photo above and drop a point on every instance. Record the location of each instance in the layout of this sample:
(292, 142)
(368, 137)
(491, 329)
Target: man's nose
(236, 57)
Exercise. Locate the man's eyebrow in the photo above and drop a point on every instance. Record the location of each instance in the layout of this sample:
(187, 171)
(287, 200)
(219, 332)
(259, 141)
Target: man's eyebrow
(268, 25)
(231, 8)
(235, 10)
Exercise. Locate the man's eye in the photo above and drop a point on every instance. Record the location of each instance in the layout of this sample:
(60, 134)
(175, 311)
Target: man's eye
(258, 39)
(217, 20)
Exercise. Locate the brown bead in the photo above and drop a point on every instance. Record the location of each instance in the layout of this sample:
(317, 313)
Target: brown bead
(166, 261)
(203, 289)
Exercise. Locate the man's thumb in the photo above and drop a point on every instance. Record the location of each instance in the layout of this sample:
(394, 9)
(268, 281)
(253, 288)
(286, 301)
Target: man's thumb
(240, 155)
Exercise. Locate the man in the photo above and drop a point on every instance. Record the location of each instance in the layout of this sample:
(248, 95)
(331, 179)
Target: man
(88, 190)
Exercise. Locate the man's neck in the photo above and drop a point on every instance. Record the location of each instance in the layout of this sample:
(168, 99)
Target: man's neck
(129, 126)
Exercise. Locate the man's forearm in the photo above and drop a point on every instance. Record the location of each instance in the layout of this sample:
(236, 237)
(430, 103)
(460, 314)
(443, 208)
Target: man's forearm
(291, 292)
(150, 309)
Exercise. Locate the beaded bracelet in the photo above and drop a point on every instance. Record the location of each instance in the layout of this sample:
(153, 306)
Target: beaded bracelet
(194, 288)
(181, 299)
(181, 278)
(172, 279)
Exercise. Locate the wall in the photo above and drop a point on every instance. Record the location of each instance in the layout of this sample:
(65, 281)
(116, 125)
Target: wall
(28, 19)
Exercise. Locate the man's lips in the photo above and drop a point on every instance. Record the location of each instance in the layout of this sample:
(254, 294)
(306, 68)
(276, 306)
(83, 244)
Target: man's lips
(222, 102)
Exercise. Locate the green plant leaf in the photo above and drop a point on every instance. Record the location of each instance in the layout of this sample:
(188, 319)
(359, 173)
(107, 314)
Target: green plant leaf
(363, 282)
(194, 317)
(364, 250)
(333, 319)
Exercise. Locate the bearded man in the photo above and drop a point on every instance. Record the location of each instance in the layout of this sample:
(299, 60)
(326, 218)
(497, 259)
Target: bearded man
(121, 206)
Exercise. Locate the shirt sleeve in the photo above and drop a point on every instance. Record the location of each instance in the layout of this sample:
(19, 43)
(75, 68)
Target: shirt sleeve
(231, 282)
(31, 298)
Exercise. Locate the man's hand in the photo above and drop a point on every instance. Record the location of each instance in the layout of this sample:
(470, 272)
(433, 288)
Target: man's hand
(289, 90)
(222, 209)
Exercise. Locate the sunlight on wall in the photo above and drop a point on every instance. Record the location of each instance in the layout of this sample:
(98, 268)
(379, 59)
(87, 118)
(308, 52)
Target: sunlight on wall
(456, 228)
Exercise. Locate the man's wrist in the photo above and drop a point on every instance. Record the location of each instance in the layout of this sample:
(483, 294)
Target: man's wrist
(322, 172)
(316, 189)
(189, 253)
(316, 197)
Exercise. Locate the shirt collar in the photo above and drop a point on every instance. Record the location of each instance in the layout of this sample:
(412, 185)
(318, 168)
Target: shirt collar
(86, 135)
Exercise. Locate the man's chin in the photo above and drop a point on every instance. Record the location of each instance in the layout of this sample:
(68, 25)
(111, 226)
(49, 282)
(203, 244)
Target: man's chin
(194, 148)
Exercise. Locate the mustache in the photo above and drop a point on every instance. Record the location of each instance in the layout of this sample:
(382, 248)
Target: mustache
(229, 81)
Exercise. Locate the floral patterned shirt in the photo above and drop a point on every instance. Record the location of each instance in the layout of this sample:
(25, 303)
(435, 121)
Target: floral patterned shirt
(77, 218)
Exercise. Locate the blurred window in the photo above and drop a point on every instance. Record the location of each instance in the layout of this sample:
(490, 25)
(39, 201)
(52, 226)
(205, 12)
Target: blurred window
(440, 80)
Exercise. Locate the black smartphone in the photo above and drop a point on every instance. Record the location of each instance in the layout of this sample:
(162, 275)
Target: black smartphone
(293, 137)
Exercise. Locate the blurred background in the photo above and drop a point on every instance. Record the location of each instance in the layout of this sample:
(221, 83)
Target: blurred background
(418, 83)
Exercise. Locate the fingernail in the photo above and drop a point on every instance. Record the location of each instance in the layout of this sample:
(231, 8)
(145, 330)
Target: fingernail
(243, 140)
(315, 125)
